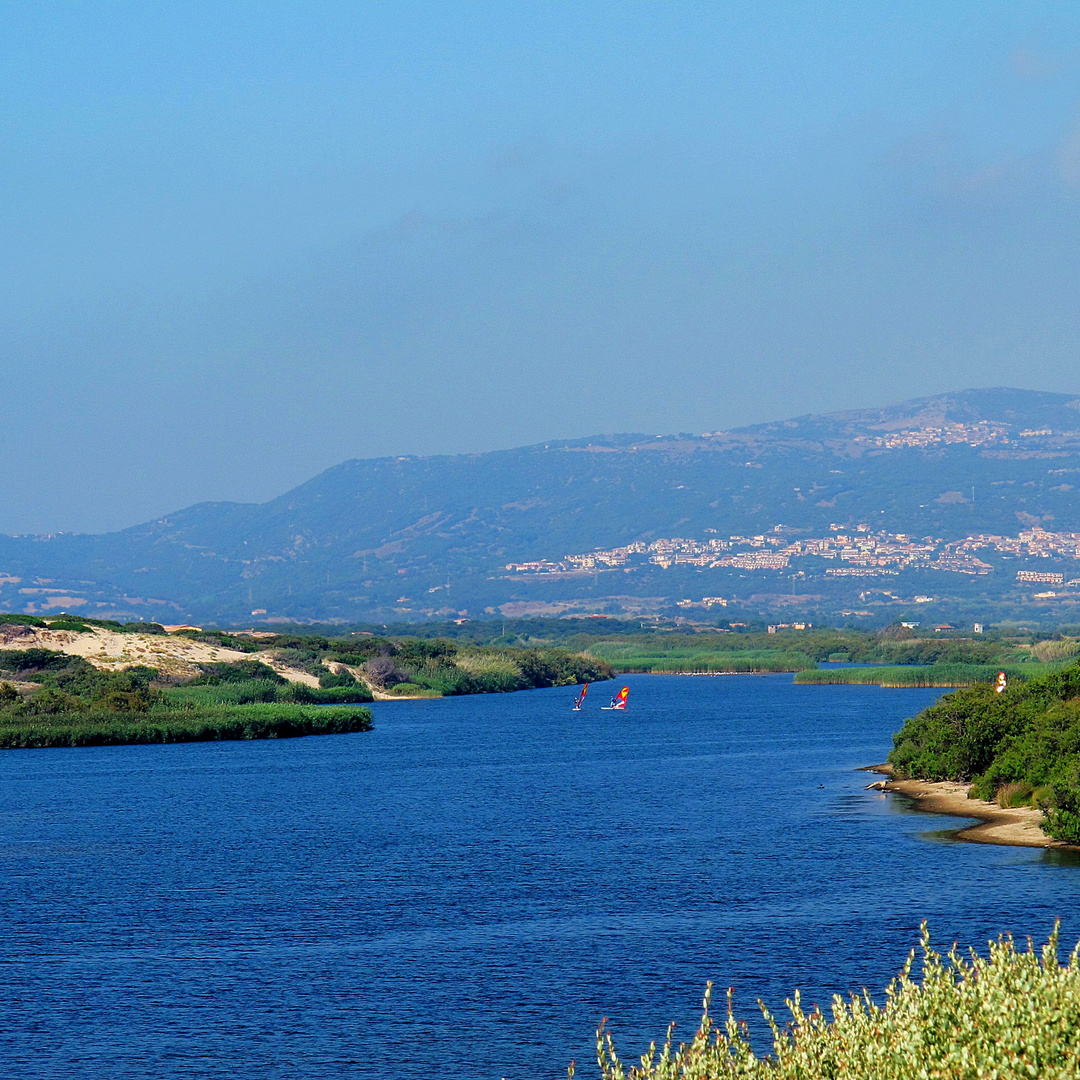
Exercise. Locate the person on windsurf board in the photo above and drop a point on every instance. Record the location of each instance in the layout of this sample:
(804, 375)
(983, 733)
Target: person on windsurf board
(580, 698)
(618, 702)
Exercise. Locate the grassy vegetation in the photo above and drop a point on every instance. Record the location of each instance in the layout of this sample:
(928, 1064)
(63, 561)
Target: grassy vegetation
(252, 691)
(930, 675)
(167, 725)
(1020, 745)
(1012, 1015)
(445, 667)
(802, 650)
(49, 698)
(66, 701)
(678, 656)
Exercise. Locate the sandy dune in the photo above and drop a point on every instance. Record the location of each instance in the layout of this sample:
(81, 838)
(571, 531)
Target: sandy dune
(175, 656)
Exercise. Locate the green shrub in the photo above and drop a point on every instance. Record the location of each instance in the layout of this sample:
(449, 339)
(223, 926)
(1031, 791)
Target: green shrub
(33, 660)
(23, 620)
(74, 624)
(1010, 1016)
(239, 672)
(406, 689)
(143, 628)
(329, 679)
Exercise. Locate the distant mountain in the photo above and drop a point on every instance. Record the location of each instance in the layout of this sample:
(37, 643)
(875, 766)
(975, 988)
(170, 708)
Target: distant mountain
(418, 537)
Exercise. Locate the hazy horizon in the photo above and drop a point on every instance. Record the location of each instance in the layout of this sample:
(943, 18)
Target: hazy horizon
(246, 244)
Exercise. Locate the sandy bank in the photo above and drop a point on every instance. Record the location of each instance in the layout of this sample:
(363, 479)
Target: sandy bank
(112, 651)
(1016, 826)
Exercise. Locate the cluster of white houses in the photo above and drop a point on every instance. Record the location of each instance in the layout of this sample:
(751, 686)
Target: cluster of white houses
(984, 433)
(861, 552)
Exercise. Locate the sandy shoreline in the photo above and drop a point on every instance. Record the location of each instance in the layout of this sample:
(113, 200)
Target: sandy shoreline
(1015, 826)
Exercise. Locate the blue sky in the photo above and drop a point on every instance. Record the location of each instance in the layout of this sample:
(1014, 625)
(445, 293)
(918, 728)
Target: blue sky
(246, 241)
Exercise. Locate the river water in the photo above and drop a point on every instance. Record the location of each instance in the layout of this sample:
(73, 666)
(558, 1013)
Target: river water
(466, 890)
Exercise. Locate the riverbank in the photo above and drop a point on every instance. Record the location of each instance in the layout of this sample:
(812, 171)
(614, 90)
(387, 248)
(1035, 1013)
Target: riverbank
(1016, 826)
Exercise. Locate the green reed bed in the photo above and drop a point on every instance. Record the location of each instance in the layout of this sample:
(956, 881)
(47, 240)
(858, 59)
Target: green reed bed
(170, 725)
(943, 675)
(1010, 1015)
(626, 658)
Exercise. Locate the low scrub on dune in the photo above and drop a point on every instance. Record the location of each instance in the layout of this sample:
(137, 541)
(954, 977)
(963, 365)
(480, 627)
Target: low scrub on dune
(66, 701)
(1012, 1015)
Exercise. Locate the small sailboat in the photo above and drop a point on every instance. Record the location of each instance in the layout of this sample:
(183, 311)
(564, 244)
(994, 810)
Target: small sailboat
(580, 698)
(618, 702)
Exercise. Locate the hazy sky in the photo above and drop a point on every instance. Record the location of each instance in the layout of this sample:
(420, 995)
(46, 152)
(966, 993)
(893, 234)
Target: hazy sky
(244, 241)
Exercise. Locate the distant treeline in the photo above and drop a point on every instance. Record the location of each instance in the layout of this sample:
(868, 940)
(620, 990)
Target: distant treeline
(80, 625)
(906, 660)
(1020, 747)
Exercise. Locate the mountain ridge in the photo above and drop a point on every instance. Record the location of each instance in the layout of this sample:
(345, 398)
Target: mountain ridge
(440, 530)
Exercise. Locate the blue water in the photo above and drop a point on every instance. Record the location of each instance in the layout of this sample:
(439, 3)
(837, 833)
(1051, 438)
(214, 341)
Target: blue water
(466, 890)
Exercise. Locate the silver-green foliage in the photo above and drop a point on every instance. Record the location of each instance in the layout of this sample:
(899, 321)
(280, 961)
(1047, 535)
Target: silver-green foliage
(1010, 1015)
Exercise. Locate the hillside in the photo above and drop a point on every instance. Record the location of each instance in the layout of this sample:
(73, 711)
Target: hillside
(420, 537)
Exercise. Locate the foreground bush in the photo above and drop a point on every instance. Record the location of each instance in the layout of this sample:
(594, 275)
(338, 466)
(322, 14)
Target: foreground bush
(1012, 1015)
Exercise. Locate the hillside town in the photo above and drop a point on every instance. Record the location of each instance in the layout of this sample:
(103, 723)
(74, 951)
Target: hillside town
(857, 552)
(982, 433)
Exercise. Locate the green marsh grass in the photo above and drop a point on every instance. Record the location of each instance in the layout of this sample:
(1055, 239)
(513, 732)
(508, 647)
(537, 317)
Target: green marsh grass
(632, 656)
(190, 724)
(944, 675)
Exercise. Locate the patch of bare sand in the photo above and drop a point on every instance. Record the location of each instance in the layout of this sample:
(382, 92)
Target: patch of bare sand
(376, 693)
(174, 656)
(1017, 826)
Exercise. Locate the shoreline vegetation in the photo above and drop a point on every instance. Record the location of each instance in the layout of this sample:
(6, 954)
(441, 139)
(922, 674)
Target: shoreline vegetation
(895, 656)
(1018, 749)
(70, 681)
(945, 676)
(1008, 1015)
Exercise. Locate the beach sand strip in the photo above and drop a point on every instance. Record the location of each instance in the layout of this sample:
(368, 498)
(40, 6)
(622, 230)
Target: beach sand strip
(1018, 826)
